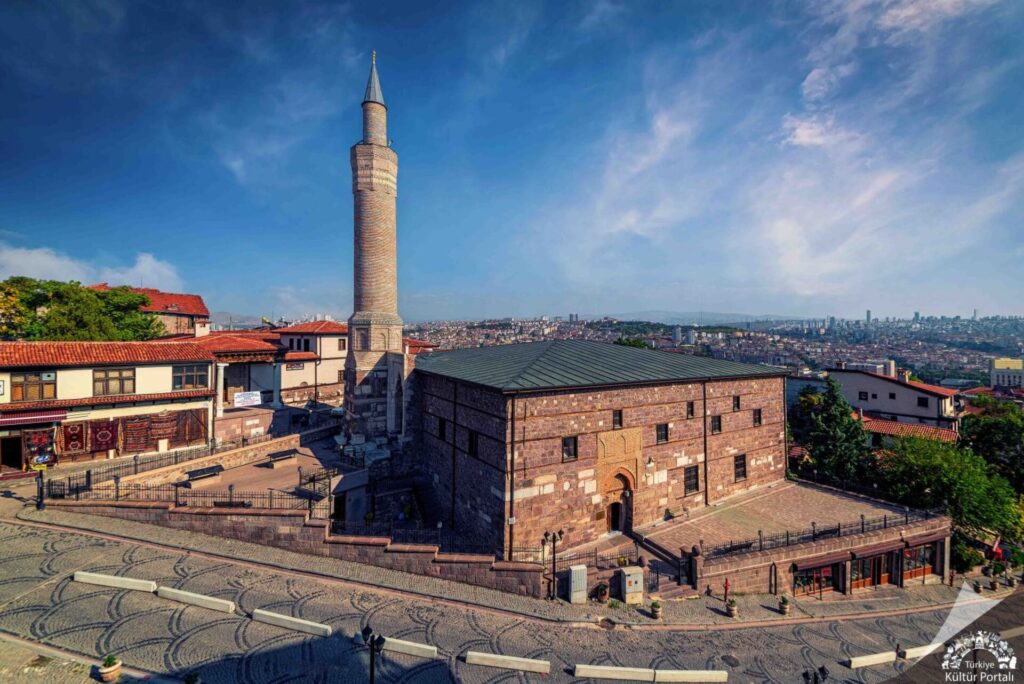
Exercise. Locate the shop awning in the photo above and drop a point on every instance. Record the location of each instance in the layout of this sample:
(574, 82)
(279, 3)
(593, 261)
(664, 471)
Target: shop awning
(29, 417)
(822, 561)
(927, 538)
(878, 549)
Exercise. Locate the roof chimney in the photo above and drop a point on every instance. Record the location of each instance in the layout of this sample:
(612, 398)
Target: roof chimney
(860, 414)
(903, 374)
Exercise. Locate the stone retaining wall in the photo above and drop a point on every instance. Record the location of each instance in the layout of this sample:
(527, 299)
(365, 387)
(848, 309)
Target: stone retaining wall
(294, 531)
(751, 572)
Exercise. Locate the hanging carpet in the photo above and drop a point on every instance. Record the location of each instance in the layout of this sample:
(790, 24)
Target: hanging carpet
(163, 426)
(136, 434)
(39, 448)
(103, 434)
(73, 438)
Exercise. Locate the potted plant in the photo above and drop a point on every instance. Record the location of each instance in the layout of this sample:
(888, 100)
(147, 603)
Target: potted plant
(998, 568)
(110, 670)
(731, 609)
(656, 609)
(602, 592)
(784, 605)
(977, 587)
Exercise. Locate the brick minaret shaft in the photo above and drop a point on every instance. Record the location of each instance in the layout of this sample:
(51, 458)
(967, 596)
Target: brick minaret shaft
(373, 367)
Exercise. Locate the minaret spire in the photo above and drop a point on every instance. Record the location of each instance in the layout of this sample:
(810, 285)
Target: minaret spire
(373, 92)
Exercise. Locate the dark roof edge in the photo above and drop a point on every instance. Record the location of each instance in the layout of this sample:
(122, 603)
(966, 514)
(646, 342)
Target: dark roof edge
(646, 383)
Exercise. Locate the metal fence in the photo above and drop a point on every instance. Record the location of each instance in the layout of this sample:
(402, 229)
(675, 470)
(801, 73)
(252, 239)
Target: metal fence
(182, 496)
(816, 532)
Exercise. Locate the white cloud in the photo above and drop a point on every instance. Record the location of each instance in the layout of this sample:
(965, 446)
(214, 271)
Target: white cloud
(147, 271)
(819, 131)
(601, 13)
(47, 264)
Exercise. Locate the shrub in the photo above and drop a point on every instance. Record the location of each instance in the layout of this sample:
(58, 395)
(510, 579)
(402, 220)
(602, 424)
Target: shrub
(655, 604)
(732, 602)
(784, 600)
(998, 568)
(614, 604)
(964, 558)
(110, 661)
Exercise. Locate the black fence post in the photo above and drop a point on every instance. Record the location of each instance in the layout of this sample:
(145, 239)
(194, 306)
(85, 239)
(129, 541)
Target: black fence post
(231, 494)
(88, 479)
(906, 516)
(787, 537)
(814, 531)
(862, 523)
(177, 496)
(117, 488)
(270, 497)
(40, 492)
(135, 461)
(839, 529)
(760, 540)
(885, 521)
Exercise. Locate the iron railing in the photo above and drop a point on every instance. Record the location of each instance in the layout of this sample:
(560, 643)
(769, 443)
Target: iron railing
(817, 532)
(182, 496)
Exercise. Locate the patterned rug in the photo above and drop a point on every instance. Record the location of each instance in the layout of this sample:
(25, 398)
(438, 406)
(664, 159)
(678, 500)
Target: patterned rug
(39, 448)
(103, 434)
(73, 438)
(163, 426)
(136, 434)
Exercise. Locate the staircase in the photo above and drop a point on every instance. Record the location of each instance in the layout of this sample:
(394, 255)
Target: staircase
(665, 566)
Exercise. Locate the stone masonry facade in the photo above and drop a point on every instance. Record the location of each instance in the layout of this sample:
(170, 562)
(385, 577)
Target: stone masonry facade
(489, 457)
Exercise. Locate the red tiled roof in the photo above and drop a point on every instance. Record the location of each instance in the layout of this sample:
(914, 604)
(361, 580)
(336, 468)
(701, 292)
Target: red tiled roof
(418, 346)
(99, 401)
(166, 302)
(922, 386)
(937, 389)
(315, 328)
(70, 354)
(301, 356)
(977, 391)
(894, 428)
(233, 343)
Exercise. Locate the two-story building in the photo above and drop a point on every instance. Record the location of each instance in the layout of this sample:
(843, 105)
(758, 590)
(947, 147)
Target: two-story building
(313, 364)
(179, 313)
(63, 401)
(899, 398)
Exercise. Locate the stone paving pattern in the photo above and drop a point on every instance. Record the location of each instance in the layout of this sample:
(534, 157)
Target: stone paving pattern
(41, 603)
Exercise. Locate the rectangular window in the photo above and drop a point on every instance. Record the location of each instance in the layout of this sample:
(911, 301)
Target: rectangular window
(922, 402)
(874, 396)
(690, 409)
(474, 443)
(739, 467)
(736, 403)
(892, 395)
(190, 377)
(570, 448)
(305, 344)
(342, 344)
(35, 386)
(863, 396)
(716, 424)
(110, 381)
(757, 417)
(691, 483)
(291, 343)
(616, 419)
(442, 429)
(661, 432)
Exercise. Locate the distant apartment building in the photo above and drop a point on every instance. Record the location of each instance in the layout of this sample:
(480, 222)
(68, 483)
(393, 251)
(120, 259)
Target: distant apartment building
(1007, 372)
(899, 398)
(180, 314)
(69, 401)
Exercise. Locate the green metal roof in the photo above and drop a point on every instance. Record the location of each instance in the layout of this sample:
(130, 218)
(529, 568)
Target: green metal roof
(578, 363)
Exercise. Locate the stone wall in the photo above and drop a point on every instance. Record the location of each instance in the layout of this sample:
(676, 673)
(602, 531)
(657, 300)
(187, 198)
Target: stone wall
(752, 572)
(575, 495)
(294, 531)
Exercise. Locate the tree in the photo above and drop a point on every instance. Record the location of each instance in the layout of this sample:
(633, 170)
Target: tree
(997, 435)
(53, 310)
(928, 474)
(835, 439)
(807, 404)
(631, 342)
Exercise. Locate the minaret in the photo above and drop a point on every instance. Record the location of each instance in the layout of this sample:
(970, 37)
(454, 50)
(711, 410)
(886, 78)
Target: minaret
(374, 367)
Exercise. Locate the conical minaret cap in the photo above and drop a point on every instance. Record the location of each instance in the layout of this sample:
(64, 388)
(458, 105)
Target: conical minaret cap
(373, 91)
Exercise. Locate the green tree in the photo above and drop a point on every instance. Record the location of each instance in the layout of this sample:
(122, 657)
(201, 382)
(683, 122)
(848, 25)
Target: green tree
(835, 439)
(55, 310)
(807, 404)
(928, 474)
(631, 342)
(997, 435)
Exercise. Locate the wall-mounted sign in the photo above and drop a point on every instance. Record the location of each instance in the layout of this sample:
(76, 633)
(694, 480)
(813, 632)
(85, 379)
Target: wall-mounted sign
(294, 365)
(248, 398)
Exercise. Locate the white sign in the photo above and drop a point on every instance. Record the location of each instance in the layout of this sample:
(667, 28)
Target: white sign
(248, 398)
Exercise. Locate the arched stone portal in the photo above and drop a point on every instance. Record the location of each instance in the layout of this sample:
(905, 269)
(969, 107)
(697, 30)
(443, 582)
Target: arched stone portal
(618, 499)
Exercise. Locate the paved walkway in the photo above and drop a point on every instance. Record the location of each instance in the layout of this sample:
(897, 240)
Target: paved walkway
(41, 603)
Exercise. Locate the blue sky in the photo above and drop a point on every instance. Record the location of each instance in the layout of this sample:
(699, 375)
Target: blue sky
(598, 157)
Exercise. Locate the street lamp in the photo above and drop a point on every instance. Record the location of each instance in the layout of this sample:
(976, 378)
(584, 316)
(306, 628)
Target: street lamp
(376, 645)
(554, 538)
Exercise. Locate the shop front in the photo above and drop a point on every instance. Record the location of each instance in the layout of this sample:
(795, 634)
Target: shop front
(923, 557)
(27, 440)
(820, 575)
(874, 566)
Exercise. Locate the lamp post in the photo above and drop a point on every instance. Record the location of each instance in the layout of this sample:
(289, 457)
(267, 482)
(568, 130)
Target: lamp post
(375, 642)
(554, 538)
